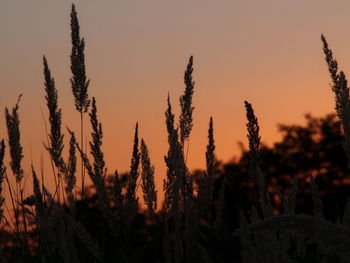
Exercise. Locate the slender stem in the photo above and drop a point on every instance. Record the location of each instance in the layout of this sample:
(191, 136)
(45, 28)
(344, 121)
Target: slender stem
(82, 149)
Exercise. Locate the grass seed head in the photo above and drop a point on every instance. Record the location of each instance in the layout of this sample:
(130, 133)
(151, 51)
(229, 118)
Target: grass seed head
(14, 136)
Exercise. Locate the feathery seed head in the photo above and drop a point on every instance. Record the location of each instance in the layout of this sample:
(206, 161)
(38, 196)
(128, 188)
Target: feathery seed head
(339, 85)
(55, 115)
(79, 80)
(186, 122)
(148, 186)
(12, 123)
(341, 91)
(71, 167)
(206, 181)
(95, 145)
(210, 157)
(331, 62)
(134, 168)
(169, 118)
(253, 130)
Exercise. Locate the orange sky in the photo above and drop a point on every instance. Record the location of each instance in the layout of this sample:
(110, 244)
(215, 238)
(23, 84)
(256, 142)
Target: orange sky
(267, 52)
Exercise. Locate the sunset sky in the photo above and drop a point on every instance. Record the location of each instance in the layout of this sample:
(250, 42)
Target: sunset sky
(267, 52)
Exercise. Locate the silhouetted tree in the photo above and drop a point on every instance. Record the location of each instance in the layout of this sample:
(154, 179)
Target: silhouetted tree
(315, 147)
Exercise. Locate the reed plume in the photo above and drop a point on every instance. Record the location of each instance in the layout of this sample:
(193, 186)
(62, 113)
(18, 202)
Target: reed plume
(210, 154)
(186, 124)
(173, 244)
(79, 81)
(130, 196)
(186, 121)
(206, 182)
(55, 115)
(14, 136)
(95, 145)
(172, 182)
(254, 152)
(341, 91)
(70, 178)
(148, 186)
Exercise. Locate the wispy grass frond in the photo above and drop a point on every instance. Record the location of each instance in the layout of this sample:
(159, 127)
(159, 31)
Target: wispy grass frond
(331, 61)
(56, 138)
(130, 196)
(254, 152)
(134, 167)
(253, 131)
(254, 145)
(186, 121)
(339, 81)
(79, 80)
(148, 186)
(206, 182)
(14, 136)
(341, 91)
(210, 154)
(178, 185)
(95, 145)
(70, 178)
(169, 116)
(172, 182)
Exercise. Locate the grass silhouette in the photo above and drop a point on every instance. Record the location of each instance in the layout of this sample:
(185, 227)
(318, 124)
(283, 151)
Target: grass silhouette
(194, 224)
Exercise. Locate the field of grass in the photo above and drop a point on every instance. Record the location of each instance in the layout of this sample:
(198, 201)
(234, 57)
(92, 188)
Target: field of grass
(104, 222)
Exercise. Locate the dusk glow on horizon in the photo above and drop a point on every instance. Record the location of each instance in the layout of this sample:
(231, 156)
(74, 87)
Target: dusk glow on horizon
(266, 52)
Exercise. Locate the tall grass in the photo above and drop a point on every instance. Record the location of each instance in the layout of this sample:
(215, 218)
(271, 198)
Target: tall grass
(79, 81)
(193, 225)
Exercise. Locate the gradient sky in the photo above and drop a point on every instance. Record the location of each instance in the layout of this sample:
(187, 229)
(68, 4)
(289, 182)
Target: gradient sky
(267, 52)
